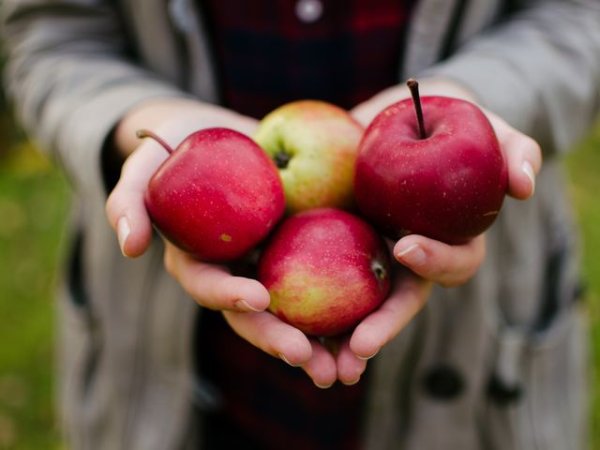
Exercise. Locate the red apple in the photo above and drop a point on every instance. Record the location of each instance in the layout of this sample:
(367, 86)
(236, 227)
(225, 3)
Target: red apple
(314, 145)
(216, 196)
(439, 173)
(325, 269)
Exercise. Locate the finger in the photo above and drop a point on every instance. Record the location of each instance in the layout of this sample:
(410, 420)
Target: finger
(448, 265)
(212, 286)
(321, 367)
(523, 158)
(349, 366)
(524, 161)
(381, 326)
(271, 335)
(125, 207)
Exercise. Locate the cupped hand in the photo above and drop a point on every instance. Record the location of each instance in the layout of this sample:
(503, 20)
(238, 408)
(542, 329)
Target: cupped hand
(242, 300)
(452, 265)
(428, 261)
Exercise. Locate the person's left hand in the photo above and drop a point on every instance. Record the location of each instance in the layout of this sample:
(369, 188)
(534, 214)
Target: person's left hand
(427, 261)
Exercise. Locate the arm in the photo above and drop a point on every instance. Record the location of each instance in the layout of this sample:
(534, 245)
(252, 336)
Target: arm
(538, 70)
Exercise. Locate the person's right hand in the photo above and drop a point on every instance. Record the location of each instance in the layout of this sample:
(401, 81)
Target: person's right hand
(211, 286)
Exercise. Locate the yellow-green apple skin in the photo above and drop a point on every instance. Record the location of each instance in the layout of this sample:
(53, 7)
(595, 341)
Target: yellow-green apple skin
(325, 269)
(314, 144)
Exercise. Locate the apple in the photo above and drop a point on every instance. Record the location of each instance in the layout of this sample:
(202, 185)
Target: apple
(216, 196)
(314, 145)
(430, 166)
(325, 270)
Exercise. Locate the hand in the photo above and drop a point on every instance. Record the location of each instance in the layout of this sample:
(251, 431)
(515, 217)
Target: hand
(431, 261)
(242, 300)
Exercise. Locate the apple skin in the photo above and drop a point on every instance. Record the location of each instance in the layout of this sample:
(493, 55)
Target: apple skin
(216, 196)
(449, 186)
(325, 270)
(314, 145)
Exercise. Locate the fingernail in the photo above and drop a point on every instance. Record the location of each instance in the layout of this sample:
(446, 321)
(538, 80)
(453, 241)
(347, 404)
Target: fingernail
(243, 305)
(323, 386)
(365, 358)
(123, 231)
(412, 255)
(351, 383)
(285, 360)
(528, 170)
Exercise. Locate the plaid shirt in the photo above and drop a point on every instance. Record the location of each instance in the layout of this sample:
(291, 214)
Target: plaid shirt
(267, 56)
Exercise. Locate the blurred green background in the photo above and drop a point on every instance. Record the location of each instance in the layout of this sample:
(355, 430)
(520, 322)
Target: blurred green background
(34, 205)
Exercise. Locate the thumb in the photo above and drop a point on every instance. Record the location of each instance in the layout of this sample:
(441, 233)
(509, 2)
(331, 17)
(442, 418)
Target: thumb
(523, 157)
(125, 208)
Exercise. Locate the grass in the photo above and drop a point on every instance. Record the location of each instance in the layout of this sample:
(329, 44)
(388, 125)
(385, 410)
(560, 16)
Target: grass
(34, 200)
(33, 210)
(583, 166)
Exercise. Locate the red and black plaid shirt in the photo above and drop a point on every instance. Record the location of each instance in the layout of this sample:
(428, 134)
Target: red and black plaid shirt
(268, 56)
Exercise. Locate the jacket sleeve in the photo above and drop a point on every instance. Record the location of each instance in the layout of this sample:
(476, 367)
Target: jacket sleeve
(71, 79)
(539, 70)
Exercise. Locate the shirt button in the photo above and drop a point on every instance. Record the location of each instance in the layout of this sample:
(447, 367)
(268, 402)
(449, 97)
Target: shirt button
(309, 11)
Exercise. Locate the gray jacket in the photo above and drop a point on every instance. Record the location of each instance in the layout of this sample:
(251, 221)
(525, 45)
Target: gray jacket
(498, 363)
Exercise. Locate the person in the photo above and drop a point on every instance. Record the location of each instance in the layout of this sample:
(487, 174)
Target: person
(483, 347)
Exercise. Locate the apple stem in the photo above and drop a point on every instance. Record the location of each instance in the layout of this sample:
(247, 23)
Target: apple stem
(413, 86)
(143, 133)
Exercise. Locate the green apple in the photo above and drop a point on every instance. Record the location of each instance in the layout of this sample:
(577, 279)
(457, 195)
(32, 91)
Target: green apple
(314, 145)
